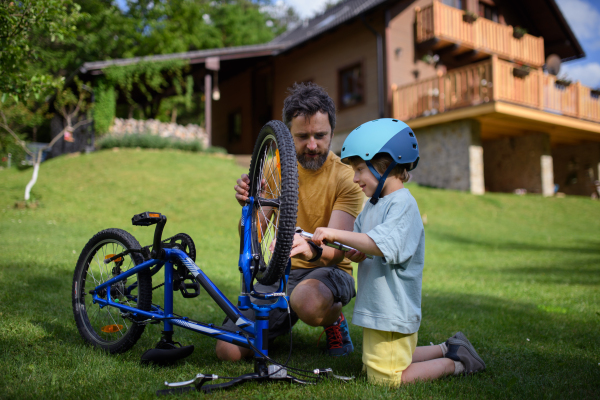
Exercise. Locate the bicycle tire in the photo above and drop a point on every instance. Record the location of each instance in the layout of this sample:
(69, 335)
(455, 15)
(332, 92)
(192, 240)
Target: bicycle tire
(274, 161)
(108, 328)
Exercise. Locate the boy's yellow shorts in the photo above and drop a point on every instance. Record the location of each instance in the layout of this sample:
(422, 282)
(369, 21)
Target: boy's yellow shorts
(387, 354)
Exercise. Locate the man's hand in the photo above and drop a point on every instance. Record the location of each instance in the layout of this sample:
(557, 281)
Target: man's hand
(301, 249)
(322, 235)
(355, 256)
(242, 189)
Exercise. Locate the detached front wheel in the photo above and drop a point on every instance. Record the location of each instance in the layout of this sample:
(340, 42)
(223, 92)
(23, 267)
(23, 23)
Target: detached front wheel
(108, 327)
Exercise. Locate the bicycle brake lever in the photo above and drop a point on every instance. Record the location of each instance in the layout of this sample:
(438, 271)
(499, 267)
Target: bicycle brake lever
(328, 373)
(198, 381)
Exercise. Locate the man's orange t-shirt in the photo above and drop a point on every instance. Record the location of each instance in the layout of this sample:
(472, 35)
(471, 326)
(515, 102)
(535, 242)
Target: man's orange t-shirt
(322, 191)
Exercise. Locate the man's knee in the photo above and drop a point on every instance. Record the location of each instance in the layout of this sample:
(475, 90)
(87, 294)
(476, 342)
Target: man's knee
(230, 352)
(313, 301)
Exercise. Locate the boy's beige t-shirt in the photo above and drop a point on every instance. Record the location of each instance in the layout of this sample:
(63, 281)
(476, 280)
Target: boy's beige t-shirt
(320, 192)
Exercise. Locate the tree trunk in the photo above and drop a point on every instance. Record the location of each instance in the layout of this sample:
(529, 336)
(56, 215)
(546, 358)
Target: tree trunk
(36, 168)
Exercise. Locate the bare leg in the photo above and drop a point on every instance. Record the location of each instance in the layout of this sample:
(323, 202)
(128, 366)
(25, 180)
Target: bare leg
(313, 302)
(230, 352)
(310, 299)
(428, 370)
(426, 353)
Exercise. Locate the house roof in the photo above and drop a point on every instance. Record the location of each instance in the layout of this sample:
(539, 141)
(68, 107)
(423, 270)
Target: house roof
(337, 15)
(194, 57)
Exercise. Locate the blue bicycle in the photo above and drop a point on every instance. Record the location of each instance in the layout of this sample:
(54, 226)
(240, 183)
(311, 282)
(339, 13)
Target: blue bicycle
(112, 285)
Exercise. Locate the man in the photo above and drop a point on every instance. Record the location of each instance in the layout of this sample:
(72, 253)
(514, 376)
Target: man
(321, 280)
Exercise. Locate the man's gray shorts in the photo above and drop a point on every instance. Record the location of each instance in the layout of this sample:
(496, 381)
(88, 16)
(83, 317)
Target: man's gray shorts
(339, 282)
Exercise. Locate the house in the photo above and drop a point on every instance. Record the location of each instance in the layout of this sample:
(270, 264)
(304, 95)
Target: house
(467, 75)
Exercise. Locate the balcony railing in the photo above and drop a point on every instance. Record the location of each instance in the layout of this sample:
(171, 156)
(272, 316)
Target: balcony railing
(444, 22)
(494, 80)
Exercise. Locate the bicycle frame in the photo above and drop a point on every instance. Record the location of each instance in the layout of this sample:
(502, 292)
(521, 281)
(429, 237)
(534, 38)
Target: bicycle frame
(254, 332)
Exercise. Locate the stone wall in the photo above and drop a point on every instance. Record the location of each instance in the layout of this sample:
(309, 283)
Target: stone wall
(576, 167)
(450, 156)
(151, 126)
(521, 162)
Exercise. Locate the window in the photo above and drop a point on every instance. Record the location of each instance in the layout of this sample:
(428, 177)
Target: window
(351, 86)
(453, 3)
(488, 10)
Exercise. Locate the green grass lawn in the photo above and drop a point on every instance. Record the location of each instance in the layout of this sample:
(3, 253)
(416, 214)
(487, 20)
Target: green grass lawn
(520, 275)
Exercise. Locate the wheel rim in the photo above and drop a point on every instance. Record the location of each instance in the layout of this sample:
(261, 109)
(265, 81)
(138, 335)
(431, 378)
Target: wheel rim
(107, 324)
(266, 200)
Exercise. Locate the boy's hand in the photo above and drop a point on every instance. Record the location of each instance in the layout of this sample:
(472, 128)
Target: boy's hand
(355, 256)
(323, 235)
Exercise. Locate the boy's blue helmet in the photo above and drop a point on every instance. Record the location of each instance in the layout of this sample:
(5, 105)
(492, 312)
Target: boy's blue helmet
(384, 135)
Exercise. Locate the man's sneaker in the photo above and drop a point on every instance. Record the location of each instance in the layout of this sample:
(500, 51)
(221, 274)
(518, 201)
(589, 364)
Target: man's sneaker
(462, 350)
(338, 338)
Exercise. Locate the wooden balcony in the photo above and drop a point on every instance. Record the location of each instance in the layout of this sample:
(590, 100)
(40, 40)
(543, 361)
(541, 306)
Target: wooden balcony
(494, 80)
(445, 25)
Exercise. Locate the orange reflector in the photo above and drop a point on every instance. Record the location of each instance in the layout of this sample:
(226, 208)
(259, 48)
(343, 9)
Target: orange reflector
(112, 255)
(112, 328)
(258, 227)
(278, 163)
(153, 215)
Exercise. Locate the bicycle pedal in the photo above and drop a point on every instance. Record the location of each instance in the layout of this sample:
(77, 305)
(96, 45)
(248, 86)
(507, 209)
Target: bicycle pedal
(164, 357)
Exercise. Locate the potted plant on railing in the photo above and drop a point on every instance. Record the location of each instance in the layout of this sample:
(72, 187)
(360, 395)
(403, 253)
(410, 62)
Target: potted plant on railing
(430, 59)
(521, 71)
(470, 16)
(519, 32)
(595, 93)
(563, 81)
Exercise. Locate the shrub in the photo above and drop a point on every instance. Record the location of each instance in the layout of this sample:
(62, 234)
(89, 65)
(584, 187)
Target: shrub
(147, 141)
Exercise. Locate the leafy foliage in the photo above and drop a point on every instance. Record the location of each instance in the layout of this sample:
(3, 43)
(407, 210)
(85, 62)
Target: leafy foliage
(20, 22)
(148, 141)
(104, 107)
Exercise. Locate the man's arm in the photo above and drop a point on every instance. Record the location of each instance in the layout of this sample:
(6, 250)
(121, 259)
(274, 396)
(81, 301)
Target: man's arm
(339, 220)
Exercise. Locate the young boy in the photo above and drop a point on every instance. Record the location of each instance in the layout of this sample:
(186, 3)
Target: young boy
(388, 302)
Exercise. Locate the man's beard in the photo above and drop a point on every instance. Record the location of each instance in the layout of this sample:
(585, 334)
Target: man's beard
(313, 163)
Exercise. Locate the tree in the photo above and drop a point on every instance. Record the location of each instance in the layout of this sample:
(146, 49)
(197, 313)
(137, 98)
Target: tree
(18, 58)
(69, 105)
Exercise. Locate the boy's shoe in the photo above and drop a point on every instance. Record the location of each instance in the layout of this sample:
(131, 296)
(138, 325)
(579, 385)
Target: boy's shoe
(463, 351)
(459, 336)
(338, 338)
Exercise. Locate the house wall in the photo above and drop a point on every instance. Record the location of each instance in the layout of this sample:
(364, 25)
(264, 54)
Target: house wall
(236, 94)
(319, 62)
(405, 64)
(576, 167)
(450, 156)
(521, 162)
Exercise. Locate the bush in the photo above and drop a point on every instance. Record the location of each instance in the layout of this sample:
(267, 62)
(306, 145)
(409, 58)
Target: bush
(147, 141)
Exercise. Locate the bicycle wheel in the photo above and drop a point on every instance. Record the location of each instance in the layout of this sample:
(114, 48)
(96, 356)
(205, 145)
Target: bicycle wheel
(274, 186)
(108, 327)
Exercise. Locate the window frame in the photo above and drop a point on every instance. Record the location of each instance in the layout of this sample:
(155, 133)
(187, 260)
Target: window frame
(361, 65)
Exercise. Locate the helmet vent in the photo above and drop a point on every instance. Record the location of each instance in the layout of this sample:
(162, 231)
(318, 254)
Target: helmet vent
(414, 146)
(411, 134)
(367, 154)
(395, 120)
(343, 148)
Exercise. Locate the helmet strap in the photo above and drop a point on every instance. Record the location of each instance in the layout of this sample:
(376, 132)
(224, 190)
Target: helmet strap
(381, 179)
